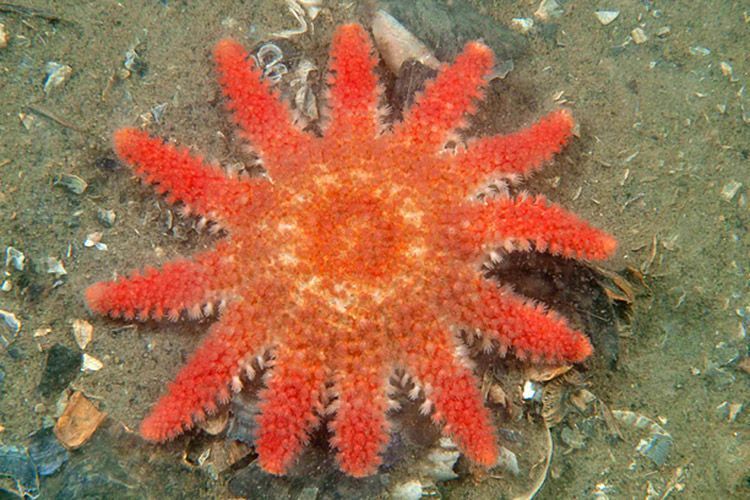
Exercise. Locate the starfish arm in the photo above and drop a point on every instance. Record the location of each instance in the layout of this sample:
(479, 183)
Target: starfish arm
(264, 119)
(181, 285)
(515, 223)
(205, 379)
(353, 86)
(518, 323)
(202, 187)
(431, 355)
(445, 101)
(287, 409)
(360, 428)
(519, 153)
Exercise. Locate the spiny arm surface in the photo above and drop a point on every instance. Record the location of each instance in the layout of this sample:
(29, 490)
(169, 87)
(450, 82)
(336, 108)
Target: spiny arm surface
(360, 373)
(428, 352)
(204, 381)
(523, 220)
(181, 285)
(182, 177)
(514, 322)
(264, 119)
(446, 100)
(519, 153)
(353, 86)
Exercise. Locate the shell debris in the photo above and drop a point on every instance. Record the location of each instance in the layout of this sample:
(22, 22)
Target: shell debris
(106, 217)
(14, 257)
(606, 17)
(10, 320)
(548, 9)
(639, 36)
(83, 332)
(300, 9)
(730, 189)
(4, 37)
(95, 240)
(90, 364)
(71, 182)
(57, 75)
(522, 24)
(396, 44)
(56, 267)
(78, 422)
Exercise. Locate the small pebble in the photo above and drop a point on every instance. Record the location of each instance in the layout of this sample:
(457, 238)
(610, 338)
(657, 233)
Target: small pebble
(639, 36)
(106, 217)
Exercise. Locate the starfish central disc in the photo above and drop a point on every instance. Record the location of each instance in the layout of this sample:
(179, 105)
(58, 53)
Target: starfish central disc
(352, 236)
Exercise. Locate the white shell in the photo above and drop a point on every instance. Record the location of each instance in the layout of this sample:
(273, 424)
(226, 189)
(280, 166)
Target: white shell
(606, 16)
(396, 44)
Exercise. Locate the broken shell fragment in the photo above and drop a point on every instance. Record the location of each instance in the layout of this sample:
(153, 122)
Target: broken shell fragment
(639, 36)
(532, 391)
(90, 364)
(83, 332)
(10, 320)
(106, 217)
(57, 75)
(730, 189)
(656, 448)
(396, 44)
(522, 24)
(56, 267)
(71, 182)
(78, 422)
(605, 17)
(94, 240)
(27, 120)
(547, 10)
(14, 257)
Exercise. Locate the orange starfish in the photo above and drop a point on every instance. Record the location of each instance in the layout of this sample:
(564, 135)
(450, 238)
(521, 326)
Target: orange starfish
(360, 259)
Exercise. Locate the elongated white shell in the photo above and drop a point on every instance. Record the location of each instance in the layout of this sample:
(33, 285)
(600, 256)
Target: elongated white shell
(396, 44)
